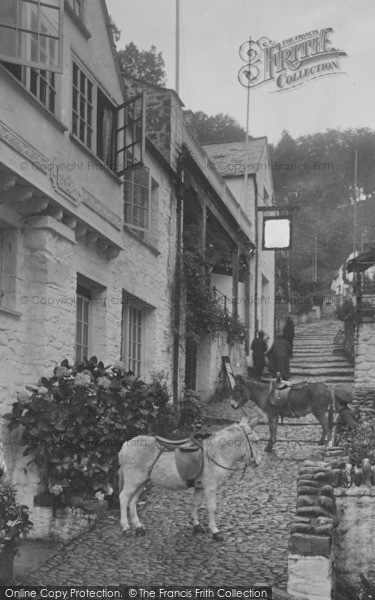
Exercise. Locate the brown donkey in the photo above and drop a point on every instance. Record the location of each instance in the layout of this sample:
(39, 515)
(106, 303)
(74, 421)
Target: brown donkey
(293, 401)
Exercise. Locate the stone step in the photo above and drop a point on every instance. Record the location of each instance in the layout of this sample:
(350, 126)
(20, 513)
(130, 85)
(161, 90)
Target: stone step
(327, 380)
(343, 369)
(320, 358)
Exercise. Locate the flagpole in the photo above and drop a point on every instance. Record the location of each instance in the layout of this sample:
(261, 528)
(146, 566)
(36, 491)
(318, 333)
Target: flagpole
(246, 172)
(177, 77)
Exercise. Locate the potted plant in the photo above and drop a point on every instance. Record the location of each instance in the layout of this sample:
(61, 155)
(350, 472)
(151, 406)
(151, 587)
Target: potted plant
(14, 521)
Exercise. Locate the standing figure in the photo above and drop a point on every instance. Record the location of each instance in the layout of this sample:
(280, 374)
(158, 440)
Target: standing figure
(259, 348)
(279, 357)
(288, 332)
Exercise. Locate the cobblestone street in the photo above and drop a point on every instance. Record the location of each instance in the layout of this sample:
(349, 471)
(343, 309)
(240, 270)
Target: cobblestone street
(254, 515)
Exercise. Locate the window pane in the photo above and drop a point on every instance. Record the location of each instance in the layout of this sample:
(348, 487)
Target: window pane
(75, 74)
(75, 121)
(85, 335)
(51, 58)
(8, 12)
(8, 43)
(79, 334)
(49, 17)
(32, 34)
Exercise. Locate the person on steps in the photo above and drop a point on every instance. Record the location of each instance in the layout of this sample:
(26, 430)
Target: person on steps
(259, 348)
(279, 357)
(288, 332)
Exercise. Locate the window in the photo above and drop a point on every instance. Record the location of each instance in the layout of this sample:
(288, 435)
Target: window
(41, 83)
(132, 337)
(130, 134)
(115, 134)
(31, 33)
(8, 267)
(77, 6)
(83, 323)
(137, 199)
(93, 117)
(83, 107)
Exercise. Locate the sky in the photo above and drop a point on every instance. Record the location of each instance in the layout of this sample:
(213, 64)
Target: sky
(212, 32)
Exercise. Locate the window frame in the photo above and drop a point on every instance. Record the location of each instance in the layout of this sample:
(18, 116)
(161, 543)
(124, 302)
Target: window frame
(132, 364)
(125, 128)
(132, 173)
(84, 295)
(18, 28)
(81, 4)
(82, 71)
(96, 89)
(24, 77)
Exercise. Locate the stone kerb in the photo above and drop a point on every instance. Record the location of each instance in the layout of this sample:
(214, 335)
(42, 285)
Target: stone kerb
(364, 374)
(310, 561)
(354, 549)
(331, 541)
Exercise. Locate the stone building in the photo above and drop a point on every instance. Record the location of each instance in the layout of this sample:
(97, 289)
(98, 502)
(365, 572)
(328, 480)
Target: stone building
(221, 207)
(87, 216)
(100, 180)
(246, 169)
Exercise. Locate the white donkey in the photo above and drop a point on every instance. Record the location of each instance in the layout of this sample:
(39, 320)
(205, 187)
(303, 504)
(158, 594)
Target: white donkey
(142, 459)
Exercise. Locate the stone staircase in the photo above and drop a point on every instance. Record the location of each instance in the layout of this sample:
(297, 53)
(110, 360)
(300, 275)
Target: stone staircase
(316, 356)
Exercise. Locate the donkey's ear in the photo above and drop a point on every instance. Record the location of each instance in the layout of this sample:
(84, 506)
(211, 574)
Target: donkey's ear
(254, 422)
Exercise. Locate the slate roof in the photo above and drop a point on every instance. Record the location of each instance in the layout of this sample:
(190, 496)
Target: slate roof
(230, 158)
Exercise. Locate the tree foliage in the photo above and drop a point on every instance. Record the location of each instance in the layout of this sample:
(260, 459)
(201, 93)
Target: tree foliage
(147, 65)
(216, 129)
(316, 173)
(116, 33)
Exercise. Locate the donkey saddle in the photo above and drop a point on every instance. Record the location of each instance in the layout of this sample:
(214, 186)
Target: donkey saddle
(188, 455)
(282, 391)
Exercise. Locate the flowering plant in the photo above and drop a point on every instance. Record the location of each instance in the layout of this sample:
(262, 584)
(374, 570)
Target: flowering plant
(14, 518)
(75, 422)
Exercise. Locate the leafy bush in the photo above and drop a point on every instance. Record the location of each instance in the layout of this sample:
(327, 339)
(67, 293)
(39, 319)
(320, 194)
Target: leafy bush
(192, 416)
(360, 442)
(365, 591)
(204, 312)
(14, 518)
(76, 422)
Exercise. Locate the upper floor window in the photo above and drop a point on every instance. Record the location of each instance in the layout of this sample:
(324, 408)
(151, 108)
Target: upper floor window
(41, 83)
(115, 134)
(77, 6)
(31, 33)
(137, 199)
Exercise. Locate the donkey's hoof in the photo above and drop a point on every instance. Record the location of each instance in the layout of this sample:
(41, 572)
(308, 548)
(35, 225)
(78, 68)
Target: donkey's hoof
(268, 449)
(126, 531)
(198, 528)
(140, 531)
(218, 536)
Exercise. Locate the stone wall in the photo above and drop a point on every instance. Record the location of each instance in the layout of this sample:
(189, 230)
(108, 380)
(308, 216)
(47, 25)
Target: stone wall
(60, 524)
(310, 544)
(40, 331)
(354, 548)
(364, 372)
(332, 536)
